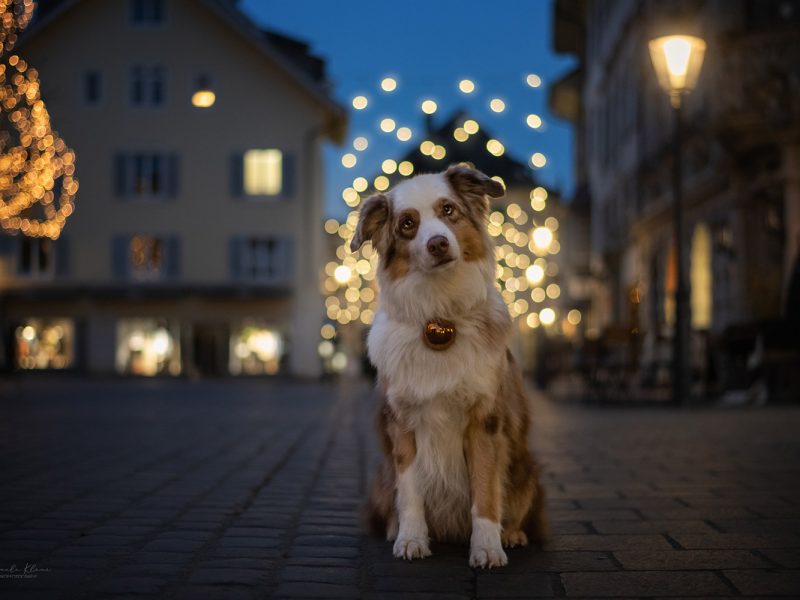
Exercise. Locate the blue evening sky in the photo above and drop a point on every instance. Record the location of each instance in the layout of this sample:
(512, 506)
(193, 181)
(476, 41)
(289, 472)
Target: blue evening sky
(429, 46)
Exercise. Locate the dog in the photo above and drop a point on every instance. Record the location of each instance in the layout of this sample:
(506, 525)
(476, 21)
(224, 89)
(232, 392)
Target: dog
(453, 420)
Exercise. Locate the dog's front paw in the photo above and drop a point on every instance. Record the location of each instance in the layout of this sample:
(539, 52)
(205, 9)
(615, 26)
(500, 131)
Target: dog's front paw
(485, 548)
(487, 556)
(514, 538)
(410, 548)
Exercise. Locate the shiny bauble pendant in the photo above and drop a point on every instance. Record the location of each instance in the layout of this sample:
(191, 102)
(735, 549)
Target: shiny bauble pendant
(439, 334)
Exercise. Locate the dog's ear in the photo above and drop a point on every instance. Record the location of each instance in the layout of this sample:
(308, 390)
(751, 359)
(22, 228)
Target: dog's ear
(374, 214)
(472, 185)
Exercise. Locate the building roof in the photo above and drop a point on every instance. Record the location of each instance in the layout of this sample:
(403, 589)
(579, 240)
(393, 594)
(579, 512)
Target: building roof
(290, 55)
(513, 172)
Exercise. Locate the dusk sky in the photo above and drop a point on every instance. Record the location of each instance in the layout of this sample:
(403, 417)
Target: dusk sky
(428, 46)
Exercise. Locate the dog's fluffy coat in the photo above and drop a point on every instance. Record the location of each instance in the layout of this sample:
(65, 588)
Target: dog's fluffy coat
(453, 423)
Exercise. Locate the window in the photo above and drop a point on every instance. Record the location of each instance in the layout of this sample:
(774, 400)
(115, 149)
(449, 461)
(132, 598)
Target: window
(148, 86)
(147, 175)
(262, 172)
(146, 257)
(35, 257)
(255, 349)
(44, 344)
(147, 12)
(148, 347)
(92, 88)
(261, 259)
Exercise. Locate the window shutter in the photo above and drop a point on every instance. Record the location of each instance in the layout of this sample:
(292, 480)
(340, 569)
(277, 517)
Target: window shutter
(288, 175)
(237, 175)
(235, 258)
(286, 259)
(173, 257)
(61, 246)
(120, 175)
(120, 256)
(173, 170)
(7, 244)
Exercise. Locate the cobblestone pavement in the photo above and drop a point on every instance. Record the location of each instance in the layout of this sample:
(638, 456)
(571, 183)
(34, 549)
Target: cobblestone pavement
(251, 490)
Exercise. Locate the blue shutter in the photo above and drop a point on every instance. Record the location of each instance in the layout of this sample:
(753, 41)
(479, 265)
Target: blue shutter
(287, 259)
(235, 258)
(61, 247)
(120, 175)
(173, 257)
(173, 175)
(120, 256)
(288, 175)
(237, 175)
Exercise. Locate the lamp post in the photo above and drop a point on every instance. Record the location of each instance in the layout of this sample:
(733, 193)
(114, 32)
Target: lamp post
(677, 60)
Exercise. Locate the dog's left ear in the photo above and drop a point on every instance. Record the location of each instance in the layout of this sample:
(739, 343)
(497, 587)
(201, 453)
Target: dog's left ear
(472, 185)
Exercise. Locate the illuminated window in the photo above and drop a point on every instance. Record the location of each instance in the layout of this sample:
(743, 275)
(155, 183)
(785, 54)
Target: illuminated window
(701, 278)
(203, 95)
(147, 347)
(255, 349)
(146, 257)
(263, 172)
(44, 344)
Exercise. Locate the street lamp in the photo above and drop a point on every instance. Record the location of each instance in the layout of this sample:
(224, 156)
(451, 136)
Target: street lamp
(677, 60)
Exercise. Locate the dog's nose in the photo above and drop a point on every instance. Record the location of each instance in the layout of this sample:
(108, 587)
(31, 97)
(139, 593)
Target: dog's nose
(438, 246)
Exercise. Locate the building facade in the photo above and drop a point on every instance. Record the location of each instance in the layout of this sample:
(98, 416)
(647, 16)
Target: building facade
(741, 163)
(196, 243)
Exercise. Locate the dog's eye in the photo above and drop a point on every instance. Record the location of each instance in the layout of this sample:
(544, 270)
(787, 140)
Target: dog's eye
(407, 224)
(448, 209)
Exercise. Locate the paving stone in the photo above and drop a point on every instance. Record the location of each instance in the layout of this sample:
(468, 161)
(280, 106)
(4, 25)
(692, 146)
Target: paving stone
(789, 558)
(738, 540)
(644, 583)
(752, 583)
(685, 560)
(642, 542)
(295, 589)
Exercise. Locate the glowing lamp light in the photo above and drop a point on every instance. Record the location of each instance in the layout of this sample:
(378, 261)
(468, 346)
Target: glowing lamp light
(389, 166)
(387, 125)
(405, 168)
(342, 274)
(428, 106)
(403, 134)
(574, 316)
(677, 60)
(495, 147)
(204, 98)
(534, 274)
(360, 143)
(534, 121)
(381, 183)
(349, 160)
(467, 86)
(360, 184)
(547, 316)
(497, 105)
(533, 80)
(471, 127)
(360, 102)
(542, 238)
(389, 84)
(538, 160)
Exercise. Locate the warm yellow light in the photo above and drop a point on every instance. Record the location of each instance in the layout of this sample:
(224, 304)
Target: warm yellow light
(677, 60)
(542, 237)
(534, 121)
(342, 274)
(460, 135)
(574, 316)
(381, 183)
(553, 291)
(389, 84)
(263, 172)
(331, 226)
(534, 274)
(439, 152)
(499, 180)
(405, 168)
(387, 125)
(533, 80)
(471, 127)
(538, 160)
(403, 134)
(495, 147)
(532, 320)
(467, 86)
(428, 106)
(551, 223)
(327, 331)
(360, 184)
(204, 98)
(547, 316)
(389, 166)
(349, 160)
(360, 143)
(360, 102)
(350, 196)
(497, 105)
(537, 294)
(427, 147)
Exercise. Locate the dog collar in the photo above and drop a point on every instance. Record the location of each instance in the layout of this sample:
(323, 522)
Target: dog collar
(439, 334)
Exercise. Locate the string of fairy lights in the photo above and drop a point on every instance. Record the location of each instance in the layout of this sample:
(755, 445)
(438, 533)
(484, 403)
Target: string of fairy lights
(37, 169)
(526, 232)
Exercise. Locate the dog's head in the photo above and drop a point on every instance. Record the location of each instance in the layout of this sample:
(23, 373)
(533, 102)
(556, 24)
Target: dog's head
(429, 222)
